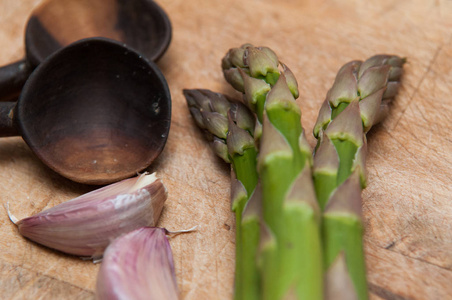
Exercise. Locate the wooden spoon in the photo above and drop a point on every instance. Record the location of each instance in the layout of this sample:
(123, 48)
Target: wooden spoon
(141, 24)
(95, 112)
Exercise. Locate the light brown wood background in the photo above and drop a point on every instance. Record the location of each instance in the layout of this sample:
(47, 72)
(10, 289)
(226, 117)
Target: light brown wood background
(407, 205)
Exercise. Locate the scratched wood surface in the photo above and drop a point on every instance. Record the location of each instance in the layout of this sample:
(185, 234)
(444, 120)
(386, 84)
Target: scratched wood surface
(407, 205)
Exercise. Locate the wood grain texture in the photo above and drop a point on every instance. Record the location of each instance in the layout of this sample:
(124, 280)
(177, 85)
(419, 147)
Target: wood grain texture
(407, 205)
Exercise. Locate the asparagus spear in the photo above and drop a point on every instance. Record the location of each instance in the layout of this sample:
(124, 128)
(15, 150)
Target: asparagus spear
(253, 71)
(358, 99)
(291, 251)
(228, 126)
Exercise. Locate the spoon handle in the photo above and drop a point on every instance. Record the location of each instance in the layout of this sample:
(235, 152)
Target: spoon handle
(12, 79)
(7, 126)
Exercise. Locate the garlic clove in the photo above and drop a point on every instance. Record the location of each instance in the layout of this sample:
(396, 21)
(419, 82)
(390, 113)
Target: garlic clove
(138, 265)
(85, 225)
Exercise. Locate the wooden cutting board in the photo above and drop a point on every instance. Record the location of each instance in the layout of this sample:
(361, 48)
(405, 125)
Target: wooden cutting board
(407, 204)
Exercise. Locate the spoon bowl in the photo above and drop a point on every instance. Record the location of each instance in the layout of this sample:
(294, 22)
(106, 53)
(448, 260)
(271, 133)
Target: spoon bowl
(95, 111)
(140, 24)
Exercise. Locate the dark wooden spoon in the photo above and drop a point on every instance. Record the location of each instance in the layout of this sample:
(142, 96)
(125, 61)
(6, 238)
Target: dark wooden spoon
(141, 24)
(95, 112)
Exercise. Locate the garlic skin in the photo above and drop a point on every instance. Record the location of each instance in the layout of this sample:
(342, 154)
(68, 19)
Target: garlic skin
(85, 225)
(138, 265)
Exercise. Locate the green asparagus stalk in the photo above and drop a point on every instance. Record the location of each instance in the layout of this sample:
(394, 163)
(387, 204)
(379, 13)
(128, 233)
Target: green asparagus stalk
(290, 246)
(229, 125)
(358, 99)
(250, 239)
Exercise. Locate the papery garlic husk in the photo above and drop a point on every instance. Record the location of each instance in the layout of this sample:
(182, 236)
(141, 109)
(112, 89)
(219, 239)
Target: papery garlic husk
(85, 225)
(138, 265)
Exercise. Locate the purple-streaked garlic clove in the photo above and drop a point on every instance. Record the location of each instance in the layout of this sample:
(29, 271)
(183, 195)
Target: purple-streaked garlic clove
(138, 265)
(85, 225)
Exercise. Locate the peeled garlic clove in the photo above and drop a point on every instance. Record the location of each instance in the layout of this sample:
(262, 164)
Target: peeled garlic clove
(84, 226)
(138, 265)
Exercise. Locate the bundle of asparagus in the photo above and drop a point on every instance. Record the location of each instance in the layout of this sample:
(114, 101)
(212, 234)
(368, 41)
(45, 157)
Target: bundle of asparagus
(285, 161)
(281, 215)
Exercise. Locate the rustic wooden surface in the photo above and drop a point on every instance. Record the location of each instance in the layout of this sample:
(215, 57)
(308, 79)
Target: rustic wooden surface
(407, 205)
